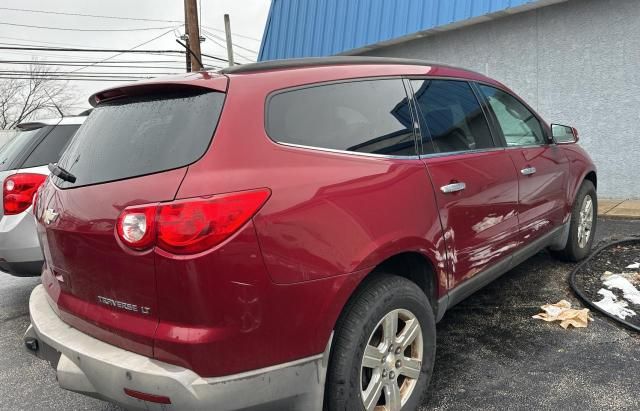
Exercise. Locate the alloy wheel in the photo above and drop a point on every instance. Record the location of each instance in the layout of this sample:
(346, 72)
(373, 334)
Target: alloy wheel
(392, 362)
(585, 222)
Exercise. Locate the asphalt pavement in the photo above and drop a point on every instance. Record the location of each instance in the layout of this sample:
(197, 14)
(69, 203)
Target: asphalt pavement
(491, 355)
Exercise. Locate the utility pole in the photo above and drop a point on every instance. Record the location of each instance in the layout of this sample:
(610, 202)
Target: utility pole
(185, 38)
(193, 32)
(227, 31)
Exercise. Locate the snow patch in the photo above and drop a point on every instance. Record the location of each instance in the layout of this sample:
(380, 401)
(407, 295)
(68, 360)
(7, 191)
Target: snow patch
(631, 293)
(613, 306)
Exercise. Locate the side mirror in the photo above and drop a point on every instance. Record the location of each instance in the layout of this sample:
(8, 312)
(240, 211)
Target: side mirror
(564, 134)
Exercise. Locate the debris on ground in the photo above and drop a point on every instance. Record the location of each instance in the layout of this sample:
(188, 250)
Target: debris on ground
(562, 311)
(634, 265)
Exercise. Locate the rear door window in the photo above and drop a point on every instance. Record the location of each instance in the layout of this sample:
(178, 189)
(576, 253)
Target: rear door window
(50, 149)
(452, 117)
(135, 137)
(367, 116)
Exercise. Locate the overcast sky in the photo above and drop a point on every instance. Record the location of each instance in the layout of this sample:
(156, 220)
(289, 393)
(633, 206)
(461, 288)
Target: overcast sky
(248, 19)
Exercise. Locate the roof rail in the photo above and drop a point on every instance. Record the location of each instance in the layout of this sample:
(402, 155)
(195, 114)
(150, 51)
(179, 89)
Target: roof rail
(324, 61)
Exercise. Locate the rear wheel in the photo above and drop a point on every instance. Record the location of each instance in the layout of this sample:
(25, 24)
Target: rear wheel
(582, 227)
(384, 347)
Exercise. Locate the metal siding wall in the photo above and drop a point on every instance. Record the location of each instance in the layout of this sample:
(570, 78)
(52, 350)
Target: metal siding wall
(305, 28)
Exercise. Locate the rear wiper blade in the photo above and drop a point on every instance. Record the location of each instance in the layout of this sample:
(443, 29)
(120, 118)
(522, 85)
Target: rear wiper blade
(60, 172)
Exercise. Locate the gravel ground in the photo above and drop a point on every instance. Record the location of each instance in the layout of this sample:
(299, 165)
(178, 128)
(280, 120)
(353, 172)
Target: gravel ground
(491, 354)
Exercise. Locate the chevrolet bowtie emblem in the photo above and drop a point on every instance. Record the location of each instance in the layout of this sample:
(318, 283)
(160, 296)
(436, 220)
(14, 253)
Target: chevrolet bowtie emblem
(49, 216)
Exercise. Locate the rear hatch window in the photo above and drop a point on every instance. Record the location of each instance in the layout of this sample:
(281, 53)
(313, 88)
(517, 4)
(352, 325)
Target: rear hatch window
(139, 136)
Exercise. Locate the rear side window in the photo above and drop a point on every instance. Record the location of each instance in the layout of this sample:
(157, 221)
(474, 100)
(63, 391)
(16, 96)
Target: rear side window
(452, 117)
(371, 116)
(132, 138)
(50, 149)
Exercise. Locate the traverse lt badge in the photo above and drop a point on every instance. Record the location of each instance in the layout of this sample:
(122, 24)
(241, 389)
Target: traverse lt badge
(49, 216)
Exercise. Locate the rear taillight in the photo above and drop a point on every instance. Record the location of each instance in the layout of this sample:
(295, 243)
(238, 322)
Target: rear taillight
(18, 191)
(189, 226)
(136, 227)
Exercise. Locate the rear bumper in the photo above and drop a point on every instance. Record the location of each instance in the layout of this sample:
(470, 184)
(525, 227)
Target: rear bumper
(20, 252)
(92, 367)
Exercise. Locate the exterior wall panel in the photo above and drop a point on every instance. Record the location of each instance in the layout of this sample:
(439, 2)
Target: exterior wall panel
(576, 63)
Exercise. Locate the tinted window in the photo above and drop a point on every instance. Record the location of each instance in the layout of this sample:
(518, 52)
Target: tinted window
(15, 149)
(453, 119)
(519, 126)
(50, 149)
(364, 116)
(137, 137)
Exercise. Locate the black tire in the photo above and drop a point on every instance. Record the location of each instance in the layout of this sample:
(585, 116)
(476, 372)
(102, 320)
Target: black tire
(377, 297)
(573, 251)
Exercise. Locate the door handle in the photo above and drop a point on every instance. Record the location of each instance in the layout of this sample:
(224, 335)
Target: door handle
(527, 171)
(453, 187)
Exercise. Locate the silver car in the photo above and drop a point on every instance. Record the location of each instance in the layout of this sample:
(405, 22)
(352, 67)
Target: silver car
(23, 167)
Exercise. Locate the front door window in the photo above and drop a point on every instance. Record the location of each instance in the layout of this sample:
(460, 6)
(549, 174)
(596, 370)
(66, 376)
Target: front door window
(519, 125)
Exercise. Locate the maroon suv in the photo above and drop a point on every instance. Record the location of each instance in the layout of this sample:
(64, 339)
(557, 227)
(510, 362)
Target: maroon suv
(287, 234)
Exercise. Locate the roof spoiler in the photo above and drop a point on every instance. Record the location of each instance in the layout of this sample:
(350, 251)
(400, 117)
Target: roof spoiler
(202, 81)
(31, 125)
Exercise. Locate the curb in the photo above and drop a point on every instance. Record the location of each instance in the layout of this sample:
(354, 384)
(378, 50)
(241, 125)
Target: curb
(619, 217)
(620, 209)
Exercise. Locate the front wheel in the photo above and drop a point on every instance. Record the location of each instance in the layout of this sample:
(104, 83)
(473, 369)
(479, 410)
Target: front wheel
(582, 227)
(384, 348)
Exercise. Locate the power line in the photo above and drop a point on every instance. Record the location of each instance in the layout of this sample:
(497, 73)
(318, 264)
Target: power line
(74, 29)
(92, 50)
(67, 74)
(234, 44)
(44, 42)
(65, 79)
(119, 18)
(237, 35)
(216, 58)
(90, 73)
(134, 65)
(127, 51)
(89, 15)
(207, 35)
(45, 54)
(74, 57)
(65, 62)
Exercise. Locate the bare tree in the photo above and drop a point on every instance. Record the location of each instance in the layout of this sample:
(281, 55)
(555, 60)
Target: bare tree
(40, 93)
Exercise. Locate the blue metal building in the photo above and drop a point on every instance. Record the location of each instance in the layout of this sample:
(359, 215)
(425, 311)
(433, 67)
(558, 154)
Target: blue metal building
(311, 28)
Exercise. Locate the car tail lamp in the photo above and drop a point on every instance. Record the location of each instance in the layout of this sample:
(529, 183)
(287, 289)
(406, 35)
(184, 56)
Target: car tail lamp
(136, 227)
(19, 190)
(189, 226)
